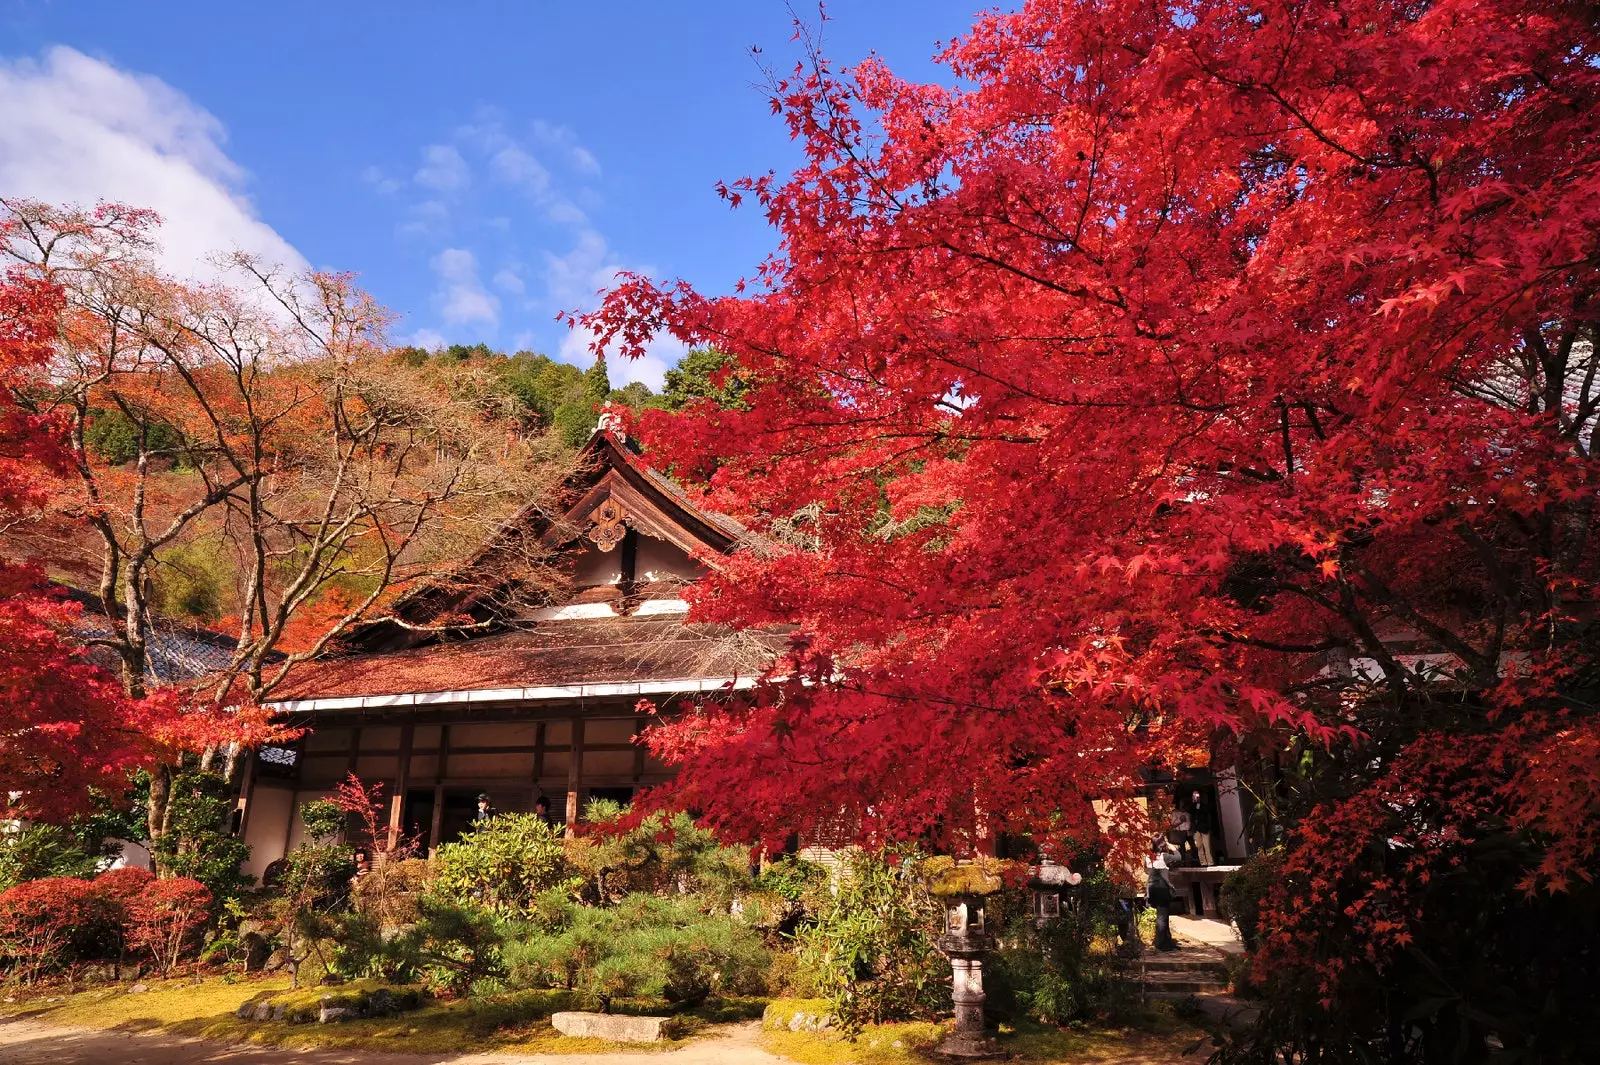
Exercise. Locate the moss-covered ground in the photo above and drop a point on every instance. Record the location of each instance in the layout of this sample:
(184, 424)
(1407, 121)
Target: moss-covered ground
(1152, 1036)
(520, 1023)
(511, 1023)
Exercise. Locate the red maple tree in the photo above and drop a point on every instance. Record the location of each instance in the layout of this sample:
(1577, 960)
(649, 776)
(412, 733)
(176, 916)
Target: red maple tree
(1178, 375)
(68, 726)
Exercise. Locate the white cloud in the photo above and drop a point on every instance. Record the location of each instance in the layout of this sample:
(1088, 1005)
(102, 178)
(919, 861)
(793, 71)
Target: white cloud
(462, 298)
(429, 216)
(512, 163)
(443, 168)
(565, 212)
(517, 167)
(74, 129)
(651, 367)
(507, 280)
(573, 281)
(431, 339)
(386, 186)
(578, 157)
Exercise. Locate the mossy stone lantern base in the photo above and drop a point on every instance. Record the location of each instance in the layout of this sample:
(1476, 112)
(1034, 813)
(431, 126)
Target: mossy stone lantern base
(962, 887)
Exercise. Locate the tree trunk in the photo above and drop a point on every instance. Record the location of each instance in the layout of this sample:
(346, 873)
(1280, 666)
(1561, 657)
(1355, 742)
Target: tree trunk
(156, 808)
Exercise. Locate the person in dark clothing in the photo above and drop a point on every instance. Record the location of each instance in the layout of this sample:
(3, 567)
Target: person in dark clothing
(1200, 827)
(1158, 892)
(541, 807)
(485, 811)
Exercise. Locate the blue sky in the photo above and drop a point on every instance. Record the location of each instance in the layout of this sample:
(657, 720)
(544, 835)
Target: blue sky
(481, 165)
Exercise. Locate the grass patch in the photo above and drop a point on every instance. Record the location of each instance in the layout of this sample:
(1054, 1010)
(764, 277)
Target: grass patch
(167, 1002)
(1152, 1036)
(513, 1023)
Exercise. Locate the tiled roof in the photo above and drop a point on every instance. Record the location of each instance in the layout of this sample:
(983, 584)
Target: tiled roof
(597, 651)
(557, 637)
(177, 651)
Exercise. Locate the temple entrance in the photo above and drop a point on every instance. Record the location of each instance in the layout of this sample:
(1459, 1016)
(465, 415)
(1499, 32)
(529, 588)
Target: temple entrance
(460, 807)
(416, 818)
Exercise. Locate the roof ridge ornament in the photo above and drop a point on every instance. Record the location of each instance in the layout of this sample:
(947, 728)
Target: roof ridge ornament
(611, 422)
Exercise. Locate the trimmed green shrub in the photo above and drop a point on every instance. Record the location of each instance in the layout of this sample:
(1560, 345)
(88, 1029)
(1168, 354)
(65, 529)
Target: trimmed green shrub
(645, 947)
(196, 843)
(502, 866)
(448, 948)
(871, 951)
(663, 855)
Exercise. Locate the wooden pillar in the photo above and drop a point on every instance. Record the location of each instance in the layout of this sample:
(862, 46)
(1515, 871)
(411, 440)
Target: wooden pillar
(247, 784)
(574, 774)
(402, 780)
(288, 822)
(355, 750)
(628, 571)
(438, 790)
(538, 764)
(638, 750)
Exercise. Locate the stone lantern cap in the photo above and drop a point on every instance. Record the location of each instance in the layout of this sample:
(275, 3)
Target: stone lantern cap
(947, 877)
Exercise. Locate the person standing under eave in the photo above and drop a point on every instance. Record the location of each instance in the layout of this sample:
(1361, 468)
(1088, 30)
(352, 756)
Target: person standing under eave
(1201, 826)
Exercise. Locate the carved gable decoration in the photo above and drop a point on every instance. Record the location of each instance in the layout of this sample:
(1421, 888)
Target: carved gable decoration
(608, 524)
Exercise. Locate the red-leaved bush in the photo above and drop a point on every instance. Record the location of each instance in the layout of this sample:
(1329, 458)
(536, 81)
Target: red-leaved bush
(123, 885)
(166, 917)
(54, 923)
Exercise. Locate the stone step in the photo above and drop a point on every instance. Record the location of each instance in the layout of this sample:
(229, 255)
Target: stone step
(1179, 964)
(1188, 984)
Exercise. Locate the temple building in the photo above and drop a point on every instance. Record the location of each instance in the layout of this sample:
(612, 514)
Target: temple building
(516, 675)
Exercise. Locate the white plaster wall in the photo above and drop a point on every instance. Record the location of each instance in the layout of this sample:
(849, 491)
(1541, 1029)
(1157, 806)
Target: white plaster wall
(270, 811)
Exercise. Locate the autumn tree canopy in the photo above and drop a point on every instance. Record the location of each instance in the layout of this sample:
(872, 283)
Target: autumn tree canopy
(1179, 375)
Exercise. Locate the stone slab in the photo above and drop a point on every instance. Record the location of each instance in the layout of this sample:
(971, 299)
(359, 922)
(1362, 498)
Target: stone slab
(612, 1026)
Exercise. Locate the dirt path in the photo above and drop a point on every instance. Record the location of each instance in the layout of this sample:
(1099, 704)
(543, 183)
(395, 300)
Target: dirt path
(27, 1042)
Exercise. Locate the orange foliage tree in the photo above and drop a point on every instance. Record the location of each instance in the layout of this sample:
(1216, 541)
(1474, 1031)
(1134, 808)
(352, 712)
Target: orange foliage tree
(259, 414)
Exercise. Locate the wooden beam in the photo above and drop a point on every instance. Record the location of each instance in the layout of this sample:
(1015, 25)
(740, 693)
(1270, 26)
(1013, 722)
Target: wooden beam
(519, 748)
(402, 780)
(574, 775)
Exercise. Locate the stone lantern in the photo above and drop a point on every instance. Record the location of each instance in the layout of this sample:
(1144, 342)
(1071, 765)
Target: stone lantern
(1048, 883)
(962, 887)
